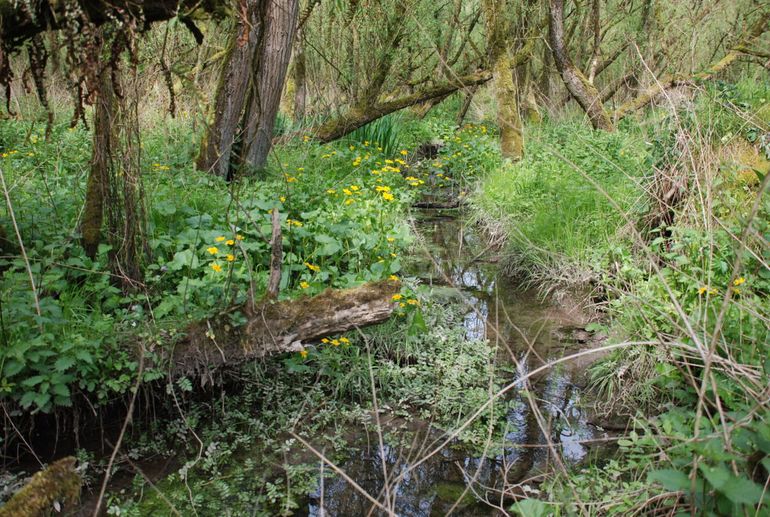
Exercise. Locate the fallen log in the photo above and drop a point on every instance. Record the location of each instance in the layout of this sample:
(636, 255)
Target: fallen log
(277, 327)
(54, 490)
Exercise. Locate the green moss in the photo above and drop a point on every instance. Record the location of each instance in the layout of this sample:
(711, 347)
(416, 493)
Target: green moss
(58, 484)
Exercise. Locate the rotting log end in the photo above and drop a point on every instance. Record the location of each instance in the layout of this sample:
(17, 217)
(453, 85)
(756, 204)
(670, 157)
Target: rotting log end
(56, 486)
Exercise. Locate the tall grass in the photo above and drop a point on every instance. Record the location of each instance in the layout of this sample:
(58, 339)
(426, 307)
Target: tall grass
(384, 133)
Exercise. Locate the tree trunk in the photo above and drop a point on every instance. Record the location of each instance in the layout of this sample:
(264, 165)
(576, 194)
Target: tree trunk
(97, 186)
(467, 100)
(300, 78)
(114, 187)
(508, 119)
(249, 92)
(269, 72)
(217, 146)
(578, 85)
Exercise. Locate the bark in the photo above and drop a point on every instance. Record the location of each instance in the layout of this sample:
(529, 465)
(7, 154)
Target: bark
(113, 190)
(230, 99)
(359, 116)
(467, 100)
(269, 73)
(300, 78)
(59, 484)
(578, 85)
(98, 184)
(508, 119)
(279, 327)
(20, 21)
(249, 91)
(276, 256)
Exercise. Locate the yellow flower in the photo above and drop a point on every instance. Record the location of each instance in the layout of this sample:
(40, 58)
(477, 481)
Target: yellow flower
(239, 237)
(282, 199)
(736, 290)
(702, 290)
(335, 342)
(344, 340)
(304, 285)
(331, 191)
(389, 162)
(312, 267)
(213, 250)
(352, 148)
(349, 201)
(230, 257)
(713, 291)
(325, 340)
(220, 238)
(739, 281)
(230, 242)
(354, 188)
(347, 192)
(303, 354)
(391, 239)
(415, 184)
(382, 188)
(387, 196)
(290, 179)
(402, 305)
(396, 297)
(393, 278)
(412, 301)
(216, 267)
(300, 169)
(404, 152)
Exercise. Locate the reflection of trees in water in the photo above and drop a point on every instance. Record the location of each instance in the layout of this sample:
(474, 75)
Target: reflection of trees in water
(521, 327)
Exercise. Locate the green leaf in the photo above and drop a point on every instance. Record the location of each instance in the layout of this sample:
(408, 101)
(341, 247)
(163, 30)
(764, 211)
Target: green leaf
(670, 479)
(183, 259)
(531, 508)
(716, 476)
(12, 367)
(64, 363)
(742, 491)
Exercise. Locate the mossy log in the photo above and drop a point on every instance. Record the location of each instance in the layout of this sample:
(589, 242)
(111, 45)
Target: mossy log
(277, 327)
(54, 490)
(359, 116)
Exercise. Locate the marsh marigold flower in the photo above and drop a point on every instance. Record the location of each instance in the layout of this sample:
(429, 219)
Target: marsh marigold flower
(216, 267)
(213, 250)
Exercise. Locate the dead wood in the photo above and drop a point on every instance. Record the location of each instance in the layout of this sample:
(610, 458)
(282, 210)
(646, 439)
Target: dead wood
(279, 327)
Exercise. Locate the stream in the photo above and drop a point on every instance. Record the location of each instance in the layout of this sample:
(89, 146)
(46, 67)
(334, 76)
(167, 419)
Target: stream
(523, 327)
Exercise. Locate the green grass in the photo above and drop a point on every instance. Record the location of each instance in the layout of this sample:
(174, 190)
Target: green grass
(565, 203)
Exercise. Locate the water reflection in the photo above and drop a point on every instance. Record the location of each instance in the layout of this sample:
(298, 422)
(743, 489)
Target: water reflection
(522, 328)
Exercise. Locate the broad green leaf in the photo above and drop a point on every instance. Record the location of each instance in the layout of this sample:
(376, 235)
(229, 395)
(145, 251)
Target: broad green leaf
(670, 479)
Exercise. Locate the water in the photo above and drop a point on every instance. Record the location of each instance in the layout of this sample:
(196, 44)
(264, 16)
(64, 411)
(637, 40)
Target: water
(527, 333)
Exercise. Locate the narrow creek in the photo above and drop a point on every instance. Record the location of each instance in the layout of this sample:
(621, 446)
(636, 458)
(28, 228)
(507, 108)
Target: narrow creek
(527, 332)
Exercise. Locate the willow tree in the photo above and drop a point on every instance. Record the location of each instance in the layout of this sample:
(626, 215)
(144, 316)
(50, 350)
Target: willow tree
(583, 91)
(368, 58)
(499, 54)
(249, 89)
